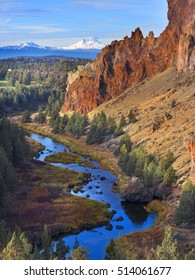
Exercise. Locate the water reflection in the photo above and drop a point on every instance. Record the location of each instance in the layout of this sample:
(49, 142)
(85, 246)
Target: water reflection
(136, 212)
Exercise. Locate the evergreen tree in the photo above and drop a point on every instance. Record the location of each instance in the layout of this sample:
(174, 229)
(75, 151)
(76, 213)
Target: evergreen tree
(168, 160)
(7, 175)
(76, 244)
(118, 131)
(111, 125)
(63, 123)
(46, 243)
(40, 118)
(117, 251)
(26, 117)
(80, 254)
(55, 122)
(168, 250)
(185, 212)
(122, 121)
(5, 234)
(27, 78)
(61, 249)
(169, 176)
(125, 140)
(36, 254)
(190, 255)
(18, 248)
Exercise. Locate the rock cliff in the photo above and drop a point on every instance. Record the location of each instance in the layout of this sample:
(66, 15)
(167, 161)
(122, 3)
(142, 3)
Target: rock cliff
(192, 152)
(127, 62)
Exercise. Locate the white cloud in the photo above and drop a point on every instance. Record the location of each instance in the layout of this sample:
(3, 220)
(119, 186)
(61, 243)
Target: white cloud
(39, 29)
(109, 5)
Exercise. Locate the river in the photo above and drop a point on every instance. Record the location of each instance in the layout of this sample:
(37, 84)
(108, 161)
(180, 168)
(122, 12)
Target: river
(129, 217)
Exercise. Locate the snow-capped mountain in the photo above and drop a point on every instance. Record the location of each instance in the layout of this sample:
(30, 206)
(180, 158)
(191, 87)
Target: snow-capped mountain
(86, 48)
(23, 45)
(86, 44)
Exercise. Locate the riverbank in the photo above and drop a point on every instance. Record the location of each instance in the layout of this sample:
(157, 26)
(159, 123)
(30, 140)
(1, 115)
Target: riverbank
(74, 145)
(42, 196)
(78, 146)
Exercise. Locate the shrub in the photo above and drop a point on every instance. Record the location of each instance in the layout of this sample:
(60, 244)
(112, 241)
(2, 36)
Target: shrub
(132, 116)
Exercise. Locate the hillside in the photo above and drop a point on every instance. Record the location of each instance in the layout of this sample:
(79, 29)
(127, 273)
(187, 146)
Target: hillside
(151, 99)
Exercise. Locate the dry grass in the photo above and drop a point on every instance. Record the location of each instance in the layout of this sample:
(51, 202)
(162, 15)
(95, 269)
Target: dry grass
(78, 146)
(153, 98)
(65, 158)
(43, 197)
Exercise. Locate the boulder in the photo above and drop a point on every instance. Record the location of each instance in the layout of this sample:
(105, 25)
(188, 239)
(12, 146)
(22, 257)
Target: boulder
(109, 227)
(119, 227)
(161, 191)
(137, 191)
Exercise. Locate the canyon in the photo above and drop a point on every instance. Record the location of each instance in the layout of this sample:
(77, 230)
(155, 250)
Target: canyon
(125, 63)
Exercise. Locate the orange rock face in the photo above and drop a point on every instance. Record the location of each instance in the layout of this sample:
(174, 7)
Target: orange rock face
(192, 152)
(127, 62)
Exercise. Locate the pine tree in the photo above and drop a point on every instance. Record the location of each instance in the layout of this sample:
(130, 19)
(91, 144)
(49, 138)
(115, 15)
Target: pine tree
(7, 174)
(46, 243)
(76, 244)
(190, 255)
(26, 117)
(168, 160)
(61, 249)
(80, 253)
(168, 250)
(27, 78)
(18, 248)
(5, 234)
(169, 176)
(36, 254)
(111, 125)
(63, 123)
(185, 212)
(122, 122)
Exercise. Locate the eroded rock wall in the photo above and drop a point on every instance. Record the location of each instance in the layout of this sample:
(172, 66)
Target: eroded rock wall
(127, 62)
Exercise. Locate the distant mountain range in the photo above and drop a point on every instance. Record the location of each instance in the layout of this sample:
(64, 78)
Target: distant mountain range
(86, 48)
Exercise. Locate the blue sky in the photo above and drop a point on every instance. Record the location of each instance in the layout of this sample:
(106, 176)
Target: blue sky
(63, 22)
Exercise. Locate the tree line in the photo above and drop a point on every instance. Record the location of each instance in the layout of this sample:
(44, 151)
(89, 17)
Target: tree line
(32, 83)
(16, 246)
(136, 161)
(13, 150)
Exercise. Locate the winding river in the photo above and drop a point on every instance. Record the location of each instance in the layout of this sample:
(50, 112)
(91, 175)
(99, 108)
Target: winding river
(129, 217)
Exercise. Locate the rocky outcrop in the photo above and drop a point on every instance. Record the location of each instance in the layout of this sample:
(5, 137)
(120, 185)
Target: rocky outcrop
(73, 75)
(137, 192)
(127, 62)
(192, 152)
